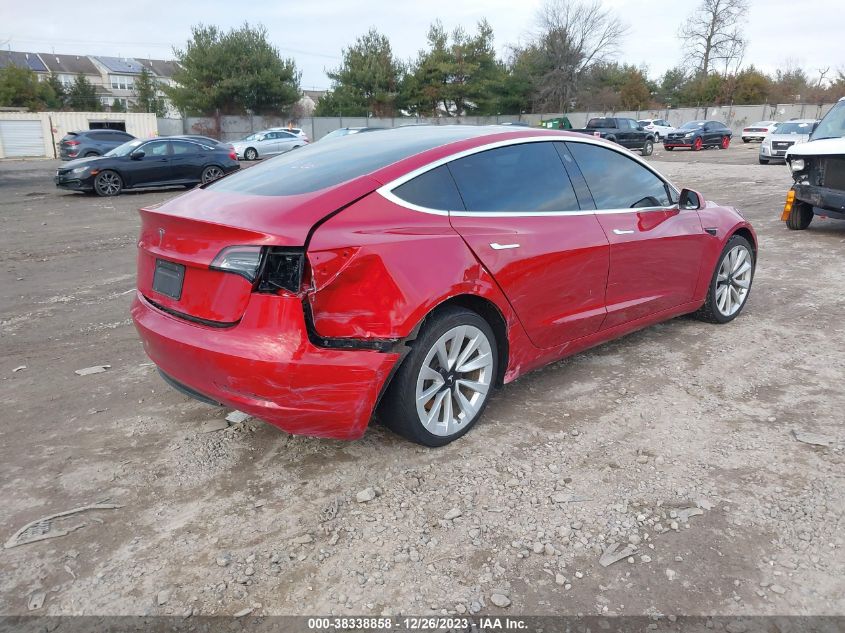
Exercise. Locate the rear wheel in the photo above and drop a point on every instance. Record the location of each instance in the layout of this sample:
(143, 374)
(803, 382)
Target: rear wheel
(726, 142)
(800, 216)
(90, 154)
(108, 183)
(730, 284)
(250, 154)
(697, 144)
(212, 172)
(444, 383)
(648, 148)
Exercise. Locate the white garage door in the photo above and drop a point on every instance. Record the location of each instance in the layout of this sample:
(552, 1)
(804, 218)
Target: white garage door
(21, 138)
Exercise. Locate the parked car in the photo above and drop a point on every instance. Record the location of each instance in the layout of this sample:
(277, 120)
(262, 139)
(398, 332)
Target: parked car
(294, 130)
(154, 162)
(758, 131)
(697, 135)
(818, 171)
(87, 143)
(517, 123)
(267, 143)
(346, 131)
(417, 269)
(774, 146)
(627, 132)
(658, 127)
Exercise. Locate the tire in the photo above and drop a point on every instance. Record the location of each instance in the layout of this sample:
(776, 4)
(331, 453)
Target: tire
(746, 140)
(90, 154)
(647, 149)
(108, 183)
(399, 409)
(697, 144)
(250, 154)
(212, 172)
(726, 142)
(800, 217)
(763, 161)
(657, 137)
(717, 308)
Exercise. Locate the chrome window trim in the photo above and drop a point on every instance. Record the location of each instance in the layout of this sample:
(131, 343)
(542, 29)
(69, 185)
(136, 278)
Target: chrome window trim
(386, 190)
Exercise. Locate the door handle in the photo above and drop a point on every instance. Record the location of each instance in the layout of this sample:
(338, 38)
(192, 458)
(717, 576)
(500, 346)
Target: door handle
(622, 232)
(500, 247)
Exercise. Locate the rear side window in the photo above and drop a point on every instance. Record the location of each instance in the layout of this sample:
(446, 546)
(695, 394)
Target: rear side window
(601, 123)
(526, 177)
(434, 189)
(616, 181)
(100, 136)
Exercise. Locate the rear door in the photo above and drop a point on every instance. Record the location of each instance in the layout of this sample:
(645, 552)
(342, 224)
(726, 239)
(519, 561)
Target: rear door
(523, 221)
(655, 248)
(187, 160)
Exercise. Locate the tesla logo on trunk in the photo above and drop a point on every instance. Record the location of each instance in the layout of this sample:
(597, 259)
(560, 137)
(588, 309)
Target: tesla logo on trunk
(160, 236)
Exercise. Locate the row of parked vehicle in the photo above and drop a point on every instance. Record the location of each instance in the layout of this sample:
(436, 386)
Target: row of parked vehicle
(642, 135)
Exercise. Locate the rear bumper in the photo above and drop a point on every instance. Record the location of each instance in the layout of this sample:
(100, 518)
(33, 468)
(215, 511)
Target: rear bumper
(266, 366)
(827, 202)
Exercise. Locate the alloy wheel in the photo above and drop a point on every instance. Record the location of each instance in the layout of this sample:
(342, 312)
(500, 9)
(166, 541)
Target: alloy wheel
(250, 154)
(211, 173)
(726, 142)
(733, 280)
(108, 183)
(697, 144)
(454, 380)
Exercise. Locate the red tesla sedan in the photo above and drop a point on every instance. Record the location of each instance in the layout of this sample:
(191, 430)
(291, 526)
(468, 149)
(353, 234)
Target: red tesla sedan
(418, 268)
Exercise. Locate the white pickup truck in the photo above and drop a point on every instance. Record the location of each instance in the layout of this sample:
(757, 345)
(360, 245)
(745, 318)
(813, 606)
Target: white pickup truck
(818, 170)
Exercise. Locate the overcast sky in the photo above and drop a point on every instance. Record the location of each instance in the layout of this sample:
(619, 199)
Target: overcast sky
(314, 32)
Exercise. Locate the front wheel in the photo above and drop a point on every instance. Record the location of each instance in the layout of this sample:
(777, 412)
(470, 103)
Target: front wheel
(250, 154)
(108, 183)
(800, 216)
(444, 383)
(730, 284)
(648, 148)
(212, 172)
(746, 140)
(697, 144)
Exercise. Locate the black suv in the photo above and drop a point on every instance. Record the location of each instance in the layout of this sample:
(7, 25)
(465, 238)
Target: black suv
(86, 143)
(626, 132)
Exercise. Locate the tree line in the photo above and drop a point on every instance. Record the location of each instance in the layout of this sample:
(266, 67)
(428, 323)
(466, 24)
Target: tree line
(569, 63)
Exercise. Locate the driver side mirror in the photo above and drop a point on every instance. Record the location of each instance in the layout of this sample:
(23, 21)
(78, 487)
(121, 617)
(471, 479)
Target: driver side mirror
(138, 154)
(641, 128)
(690, 199)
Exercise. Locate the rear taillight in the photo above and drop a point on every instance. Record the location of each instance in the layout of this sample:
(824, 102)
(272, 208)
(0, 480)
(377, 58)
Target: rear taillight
(275, 268)
(240, 260)
(233, 155)
(283, 269)
(71, 142)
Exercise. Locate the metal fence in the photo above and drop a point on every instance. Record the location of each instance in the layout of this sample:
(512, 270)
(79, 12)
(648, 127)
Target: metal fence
(736, 117)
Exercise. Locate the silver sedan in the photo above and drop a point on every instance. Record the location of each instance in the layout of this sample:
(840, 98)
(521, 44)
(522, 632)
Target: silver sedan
(267, 143)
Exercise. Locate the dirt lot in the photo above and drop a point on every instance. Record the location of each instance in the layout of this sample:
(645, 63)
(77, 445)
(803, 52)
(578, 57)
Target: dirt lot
(611, 446)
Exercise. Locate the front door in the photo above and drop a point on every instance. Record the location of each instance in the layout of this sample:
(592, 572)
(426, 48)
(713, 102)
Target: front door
(523, 221)
(655, 248)
(154, 166)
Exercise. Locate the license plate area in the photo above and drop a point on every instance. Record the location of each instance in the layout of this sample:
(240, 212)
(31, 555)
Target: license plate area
(168, 278)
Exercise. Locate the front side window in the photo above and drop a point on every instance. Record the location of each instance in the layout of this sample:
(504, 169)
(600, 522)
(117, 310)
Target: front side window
(617, 181)
(155, 148)
(528, 177)
(833, 123)
(435, 189)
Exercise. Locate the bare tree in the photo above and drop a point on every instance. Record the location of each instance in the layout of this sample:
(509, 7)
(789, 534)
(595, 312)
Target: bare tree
(572, 36)
(711, 35)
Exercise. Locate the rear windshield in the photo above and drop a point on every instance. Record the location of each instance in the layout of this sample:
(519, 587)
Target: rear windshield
(322, 165)
(599, 123)
(794, 128)
(644, 123)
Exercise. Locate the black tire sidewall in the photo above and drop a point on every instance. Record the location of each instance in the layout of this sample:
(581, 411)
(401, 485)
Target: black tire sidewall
(399, 411)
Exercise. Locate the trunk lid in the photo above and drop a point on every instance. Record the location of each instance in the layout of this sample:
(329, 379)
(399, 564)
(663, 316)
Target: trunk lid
(191, 230)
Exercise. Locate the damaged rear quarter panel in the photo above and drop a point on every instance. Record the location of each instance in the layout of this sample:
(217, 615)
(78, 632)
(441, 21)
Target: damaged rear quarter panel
(379, 268)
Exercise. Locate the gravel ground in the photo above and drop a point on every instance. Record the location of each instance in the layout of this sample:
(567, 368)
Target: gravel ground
(677, 442)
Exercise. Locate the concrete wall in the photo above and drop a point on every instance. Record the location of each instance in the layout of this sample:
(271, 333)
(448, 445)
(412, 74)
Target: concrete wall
(55, 125)
(236, 127)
